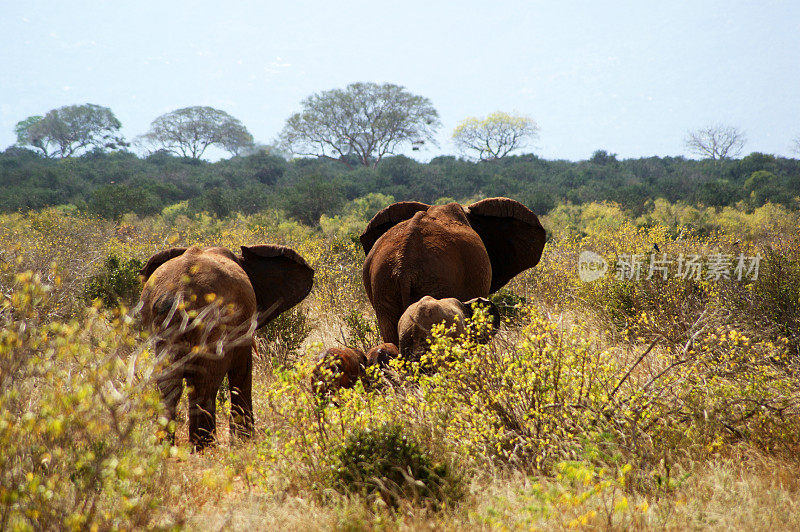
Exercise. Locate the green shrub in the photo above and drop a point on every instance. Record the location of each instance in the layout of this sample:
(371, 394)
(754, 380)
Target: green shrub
(364, 332)
(117, 283)
(113, 201)
(508, 303)
(283, 336)
(388, 462)
(78, 415)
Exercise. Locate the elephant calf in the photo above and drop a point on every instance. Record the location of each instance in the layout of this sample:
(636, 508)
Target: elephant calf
(414, 327)
(382, 354)
(338, 368)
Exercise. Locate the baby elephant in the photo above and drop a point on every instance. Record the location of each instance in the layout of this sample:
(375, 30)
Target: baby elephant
(414, 327)
(382, 354)
(338, 368)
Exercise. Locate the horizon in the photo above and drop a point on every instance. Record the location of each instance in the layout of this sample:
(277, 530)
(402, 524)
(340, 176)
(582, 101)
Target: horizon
(629, 79)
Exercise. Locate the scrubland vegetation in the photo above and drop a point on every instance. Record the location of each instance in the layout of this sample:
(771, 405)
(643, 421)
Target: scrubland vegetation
(612, 404)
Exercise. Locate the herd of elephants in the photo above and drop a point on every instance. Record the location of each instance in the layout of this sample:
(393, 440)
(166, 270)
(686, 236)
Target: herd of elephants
(424, 265)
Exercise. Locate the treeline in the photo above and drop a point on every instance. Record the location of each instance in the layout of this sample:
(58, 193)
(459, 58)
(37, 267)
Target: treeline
(112, 184)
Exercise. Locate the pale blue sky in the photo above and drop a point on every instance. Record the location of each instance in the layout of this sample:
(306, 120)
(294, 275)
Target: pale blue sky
(628, 77)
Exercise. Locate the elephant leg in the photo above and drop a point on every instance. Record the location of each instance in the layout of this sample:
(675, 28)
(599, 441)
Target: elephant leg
(171, 388)
(388, 328)
(202, 415)
(240, 379)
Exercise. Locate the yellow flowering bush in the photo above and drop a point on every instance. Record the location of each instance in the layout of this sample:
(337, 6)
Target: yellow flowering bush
(580, 495)
(78, 415)
(526, 402)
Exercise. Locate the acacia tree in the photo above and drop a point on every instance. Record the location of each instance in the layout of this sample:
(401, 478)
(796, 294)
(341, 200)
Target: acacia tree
(67, 130)
(495, 136)
(364, 120)
(716, 141)
(188, 132)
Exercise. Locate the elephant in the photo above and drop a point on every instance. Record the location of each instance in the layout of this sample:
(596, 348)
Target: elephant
(382, 354)
(415, 250)
(338, 368)
(203, 306)
(414, 327)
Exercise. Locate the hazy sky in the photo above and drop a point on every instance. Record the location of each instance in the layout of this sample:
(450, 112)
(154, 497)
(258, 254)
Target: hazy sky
(628, 77)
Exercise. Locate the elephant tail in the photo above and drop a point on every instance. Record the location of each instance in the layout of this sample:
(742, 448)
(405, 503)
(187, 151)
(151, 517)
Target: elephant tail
(163, 305)
(164, 310)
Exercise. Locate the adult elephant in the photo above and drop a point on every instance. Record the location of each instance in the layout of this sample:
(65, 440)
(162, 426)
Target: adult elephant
(415, 250)
(414, 327)
(203, 306)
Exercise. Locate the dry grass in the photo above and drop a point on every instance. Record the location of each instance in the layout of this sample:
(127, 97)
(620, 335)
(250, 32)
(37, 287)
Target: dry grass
(685, 473)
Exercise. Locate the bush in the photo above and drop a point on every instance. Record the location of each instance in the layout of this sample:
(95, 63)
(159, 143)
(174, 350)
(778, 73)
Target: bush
(117, 283)
(386, 461)
(769, 306)
(526, 402)
(313, 196)
(283, 336)
(722, 388)
(77, 421)
(364, 333)
(667, 309)
(112, 201)
(216, 201)
(553, 392)
(508, 304)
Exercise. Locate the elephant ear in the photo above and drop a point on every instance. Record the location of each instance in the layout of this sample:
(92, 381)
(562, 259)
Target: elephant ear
(512, 234)
(157, 260)
(388, 218)
(491, 308)
(280, 278)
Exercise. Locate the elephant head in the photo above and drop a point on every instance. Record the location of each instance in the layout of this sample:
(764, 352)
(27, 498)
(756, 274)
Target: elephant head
(382, 354)
(337, 368)
(414, 327)
(203, 306)
(415, 250)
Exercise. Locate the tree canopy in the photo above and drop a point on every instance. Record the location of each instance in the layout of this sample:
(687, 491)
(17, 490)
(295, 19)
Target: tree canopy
(188, 132)
(716, 141)
(309, 187)
(363, 122)
(495, 136)
(68, 130)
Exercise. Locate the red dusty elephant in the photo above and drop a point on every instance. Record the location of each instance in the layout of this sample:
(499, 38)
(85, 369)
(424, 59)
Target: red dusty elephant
(415, 250)
(382, 354)
(337, 368)
(203, 306)
(342, 367)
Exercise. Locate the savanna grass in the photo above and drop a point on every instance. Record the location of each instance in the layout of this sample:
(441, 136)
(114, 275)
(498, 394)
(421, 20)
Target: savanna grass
(611, 404)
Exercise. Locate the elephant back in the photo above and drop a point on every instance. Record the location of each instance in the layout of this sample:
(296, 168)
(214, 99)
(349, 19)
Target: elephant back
(388, 218)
